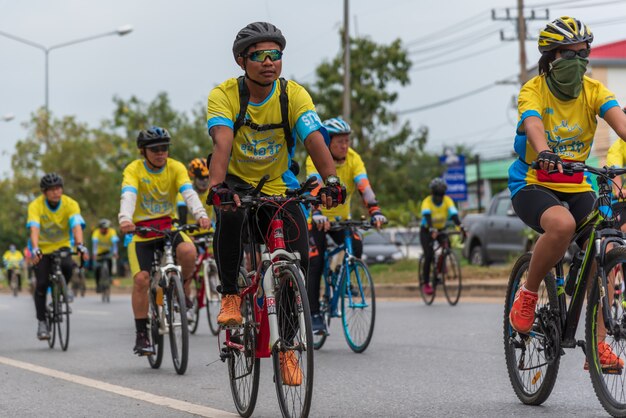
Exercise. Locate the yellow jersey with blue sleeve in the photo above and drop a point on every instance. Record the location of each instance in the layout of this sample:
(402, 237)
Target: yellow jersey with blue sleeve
(439, 214)
(257, 153)
(616, 157)
(12, 259)
(180, 201)
(570, 126)
(55, 225)
(104, 242)
(352, 173)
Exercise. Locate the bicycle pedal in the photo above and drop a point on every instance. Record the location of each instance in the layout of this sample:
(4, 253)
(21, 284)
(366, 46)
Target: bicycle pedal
(231, 327)
(612, 370)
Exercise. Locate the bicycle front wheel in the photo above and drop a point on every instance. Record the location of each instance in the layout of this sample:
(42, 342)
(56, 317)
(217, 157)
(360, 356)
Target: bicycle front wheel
(421, 279)
(51, 316)
(451, 276)
(531, 360)
(63, 317)
(606, 352)
(358, 306)
(213, 297)
(105, 282)
(154, 334)
(14, 284)
(293, 353)
(243, 366)
(177, 319)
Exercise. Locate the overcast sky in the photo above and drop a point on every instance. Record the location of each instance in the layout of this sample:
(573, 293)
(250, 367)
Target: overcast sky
(184, 48)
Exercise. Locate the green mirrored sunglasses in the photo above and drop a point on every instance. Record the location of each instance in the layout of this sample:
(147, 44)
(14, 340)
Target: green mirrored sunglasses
(261, 55)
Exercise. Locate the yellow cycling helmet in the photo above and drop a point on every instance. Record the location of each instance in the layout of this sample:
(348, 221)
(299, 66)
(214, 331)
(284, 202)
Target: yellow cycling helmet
(198, 168)
(563, 31)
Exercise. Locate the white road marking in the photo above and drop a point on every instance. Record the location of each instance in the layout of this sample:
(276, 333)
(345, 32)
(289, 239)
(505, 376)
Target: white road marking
(176, 404)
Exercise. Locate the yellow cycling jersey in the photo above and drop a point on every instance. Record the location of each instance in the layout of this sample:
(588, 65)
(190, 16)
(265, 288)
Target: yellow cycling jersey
(616, 157)
(257, 153)
(350, 172)
(569, 125)
(55, 226)
(104, 242)
(12, 259)
(180, 201)
(439, 214)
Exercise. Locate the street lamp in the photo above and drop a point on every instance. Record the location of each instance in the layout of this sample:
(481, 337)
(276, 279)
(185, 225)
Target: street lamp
(7, 117)
(121, 31)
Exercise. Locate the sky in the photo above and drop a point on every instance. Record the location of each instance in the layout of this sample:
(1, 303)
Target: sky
(184, 49)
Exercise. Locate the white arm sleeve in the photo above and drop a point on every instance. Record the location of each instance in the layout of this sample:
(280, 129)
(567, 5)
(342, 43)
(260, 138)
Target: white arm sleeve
(193, 203)
(127, 207)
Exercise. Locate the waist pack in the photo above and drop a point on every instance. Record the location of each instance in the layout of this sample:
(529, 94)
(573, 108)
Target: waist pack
(162, 224)
(557, 177)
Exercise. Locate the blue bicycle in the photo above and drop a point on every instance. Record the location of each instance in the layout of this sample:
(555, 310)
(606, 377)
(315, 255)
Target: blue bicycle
(350, 282)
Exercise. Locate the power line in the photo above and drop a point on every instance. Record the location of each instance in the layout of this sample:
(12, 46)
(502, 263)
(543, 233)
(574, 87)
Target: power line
(446, 31)
(570, 6)
(472, 134)
(462, 57)
(446, 101)
(459, 41)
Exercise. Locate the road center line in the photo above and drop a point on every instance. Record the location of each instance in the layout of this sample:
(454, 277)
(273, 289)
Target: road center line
(176, 404)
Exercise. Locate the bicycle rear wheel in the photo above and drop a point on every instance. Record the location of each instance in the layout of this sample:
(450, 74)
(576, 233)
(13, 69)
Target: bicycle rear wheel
(105, 282)
(358, 306)
(63, 316)
(213, 297)
(451, 277)
(320, 339)
(194, 287)
(177, 319)
(428, 299)
(156, 338)
(532, 361)
(608, 379)
(243, 366)
(293, 353)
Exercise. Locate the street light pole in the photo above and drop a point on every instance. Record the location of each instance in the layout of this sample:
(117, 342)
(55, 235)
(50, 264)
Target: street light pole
(121, 31)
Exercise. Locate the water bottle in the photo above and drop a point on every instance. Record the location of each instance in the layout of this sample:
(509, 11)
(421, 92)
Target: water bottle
(570, 281)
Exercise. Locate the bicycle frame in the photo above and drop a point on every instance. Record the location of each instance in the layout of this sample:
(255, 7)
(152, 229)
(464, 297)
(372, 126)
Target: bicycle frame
(205, 263)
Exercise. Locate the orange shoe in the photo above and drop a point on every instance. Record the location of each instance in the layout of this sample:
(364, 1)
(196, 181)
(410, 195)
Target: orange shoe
(522, 313)
(289, 368)
(230, 311)
(608, 359)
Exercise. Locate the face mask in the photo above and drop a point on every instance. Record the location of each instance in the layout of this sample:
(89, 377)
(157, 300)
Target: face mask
(437, 199)
(565, 78)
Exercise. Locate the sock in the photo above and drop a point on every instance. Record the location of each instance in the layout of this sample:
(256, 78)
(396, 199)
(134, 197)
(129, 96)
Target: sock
(141, 324)
(529, 291)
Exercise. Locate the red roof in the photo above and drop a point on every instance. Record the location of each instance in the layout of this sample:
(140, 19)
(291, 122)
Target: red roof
(615, 50)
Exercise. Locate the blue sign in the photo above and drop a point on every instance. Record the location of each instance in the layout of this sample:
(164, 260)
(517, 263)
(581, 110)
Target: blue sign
(455, 176)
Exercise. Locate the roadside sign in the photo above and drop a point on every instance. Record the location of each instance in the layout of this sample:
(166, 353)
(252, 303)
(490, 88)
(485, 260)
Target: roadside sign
(455, 175)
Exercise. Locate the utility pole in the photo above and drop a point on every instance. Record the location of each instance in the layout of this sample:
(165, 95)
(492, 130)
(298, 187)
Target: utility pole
(478, 184)
(522, 34)
(346, 61)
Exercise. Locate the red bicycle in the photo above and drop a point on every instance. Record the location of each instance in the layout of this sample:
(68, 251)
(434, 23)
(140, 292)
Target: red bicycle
(204, 286)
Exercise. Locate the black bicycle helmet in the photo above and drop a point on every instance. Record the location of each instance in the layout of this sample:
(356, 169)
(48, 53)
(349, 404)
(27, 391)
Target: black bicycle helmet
(563, 31)
(153, 137)
(50, 180)
(438, 186)
(104, 223)
(253, 34)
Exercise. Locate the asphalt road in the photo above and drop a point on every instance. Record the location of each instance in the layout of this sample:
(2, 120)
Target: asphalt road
(436, 361)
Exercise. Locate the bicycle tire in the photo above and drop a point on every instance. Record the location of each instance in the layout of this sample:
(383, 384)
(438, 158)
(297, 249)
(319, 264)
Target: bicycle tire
(607, 380)
(243, 366)
(451, 278)
(428, 299)
(213, 299)
(156, 338)
(63, 316)
(50, 316)
(292, 310)
(320, 339)
(531, 389)
(177, 319)
(193, 325)
(358, 306)
(13, 283)
(105, 282)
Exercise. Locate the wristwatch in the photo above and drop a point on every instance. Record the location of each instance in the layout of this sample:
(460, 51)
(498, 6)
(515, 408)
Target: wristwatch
(332, 180)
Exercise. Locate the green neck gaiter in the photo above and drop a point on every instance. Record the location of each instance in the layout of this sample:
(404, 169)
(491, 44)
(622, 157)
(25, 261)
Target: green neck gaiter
(565, 78)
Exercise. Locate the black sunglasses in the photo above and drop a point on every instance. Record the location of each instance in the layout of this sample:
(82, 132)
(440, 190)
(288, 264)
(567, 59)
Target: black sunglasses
(159, 148)
(569, 54)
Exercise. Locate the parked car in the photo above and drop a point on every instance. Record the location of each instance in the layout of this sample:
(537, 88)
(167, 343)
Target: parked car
(378, 247)
(497, 234)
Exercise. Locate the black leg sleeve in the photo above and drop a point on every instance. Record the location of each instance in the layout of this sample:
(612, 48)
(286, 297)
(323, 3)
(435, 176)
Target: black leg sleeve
(317, 241)
(427, 246)
(227, 247)
(42, 273)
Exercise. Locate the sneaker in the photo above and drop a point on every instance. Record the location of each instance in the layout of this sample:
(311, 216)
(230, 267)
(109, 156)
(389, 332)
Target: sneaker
(70, 296)
(42, 331)
(318, 323)
(289, 369)
(230, 312)
(191, 315)
(427, 289)
(143, 347)
(608, 359)
(522, 315)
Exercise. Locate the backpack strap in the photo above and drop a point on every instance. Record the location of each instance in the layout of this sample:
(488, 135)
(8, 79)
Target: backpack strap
(244, 98)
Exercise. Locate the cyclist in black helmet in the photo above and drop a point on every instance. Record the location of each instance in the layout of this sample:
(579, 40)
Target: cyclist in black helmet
(437, 209)
(255, 122)
(54, 219)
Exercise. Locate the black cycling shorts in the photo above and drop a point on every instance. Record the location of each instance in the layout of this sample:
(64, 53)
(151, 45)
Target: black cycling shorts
(532, 201)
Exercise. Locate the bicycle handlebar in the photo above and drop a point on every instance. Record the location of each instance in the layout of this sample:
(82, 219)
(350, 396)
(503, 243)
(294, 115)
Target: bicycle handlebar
(572, 168)
(291, 195)
(164, 232)
(350, 223)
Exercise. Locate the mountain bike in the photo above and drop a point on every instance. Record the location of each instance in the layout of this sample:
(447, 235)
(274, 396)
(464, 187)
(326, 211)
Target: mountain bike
(445, 270)
(204, 286)
(533, 359)
(167, 312)
(78, 280)
(275, 311)
(103, 261)
(57, 302)
(352, 283)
